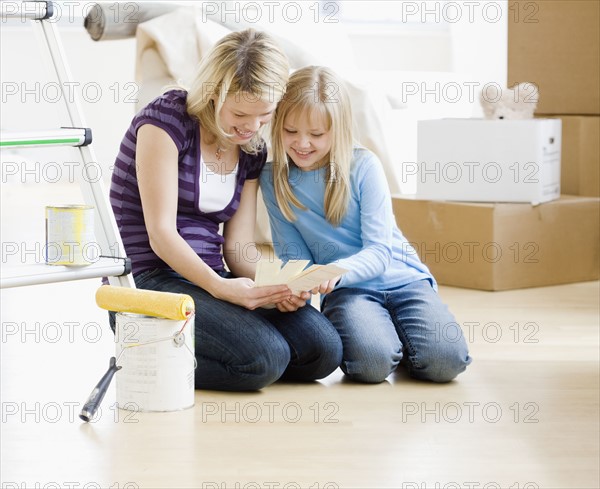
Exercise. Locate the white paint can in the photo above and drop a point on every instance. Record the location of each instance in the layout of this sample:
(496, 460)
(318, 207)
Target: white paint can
(70, 236)
(158, 363)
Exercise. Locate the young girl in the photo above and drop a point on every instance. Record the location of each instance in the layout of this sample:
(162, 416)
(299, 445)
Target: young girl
(329, 202)
(190, 162)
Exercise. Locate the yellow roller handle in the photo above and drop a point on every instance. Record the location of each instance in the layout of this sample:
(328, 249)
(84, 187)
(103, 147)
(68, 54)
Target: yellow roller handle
(148, 302)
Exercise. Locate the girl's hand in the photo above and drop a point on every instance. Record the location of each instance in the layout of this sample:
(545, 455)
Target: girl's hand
(242, 291)
(326, 286)
(294, 303)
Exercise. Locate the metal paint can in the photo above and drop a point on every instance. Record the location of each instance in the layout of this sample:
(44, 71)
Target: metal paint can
(158, 364)
(70, 236)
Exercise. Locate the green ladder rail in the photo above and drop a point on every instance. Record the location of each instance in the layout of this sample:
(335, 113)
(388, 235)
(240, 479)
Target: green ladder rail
(53, 137)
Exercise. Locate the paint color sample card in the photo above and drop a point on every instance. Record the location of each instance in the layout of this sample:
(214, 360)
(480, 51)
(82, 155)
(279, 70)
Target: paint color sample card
(314, 276)
(294, 275)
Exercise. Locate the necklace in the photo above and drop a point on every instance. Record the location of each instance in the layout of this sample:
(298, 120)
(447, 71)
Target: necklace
(219, 153)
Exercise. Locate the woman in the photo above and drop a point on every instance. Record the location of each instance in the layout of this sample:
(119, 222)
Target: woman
(188, 164)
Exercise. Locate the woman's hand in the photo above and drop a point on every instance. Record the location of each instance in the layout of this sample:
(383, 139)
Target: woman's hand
(243, 292)
(327, 286)
(293, 303)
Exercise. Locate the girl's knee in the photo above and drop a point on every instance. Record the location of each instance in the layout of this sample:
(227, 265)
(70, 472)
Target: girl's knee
(373, 366)
(441, 365)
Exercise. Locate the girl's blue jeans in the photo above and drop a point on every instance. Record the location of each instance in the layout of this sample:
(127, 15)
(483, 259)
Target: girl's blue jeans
(409, 324)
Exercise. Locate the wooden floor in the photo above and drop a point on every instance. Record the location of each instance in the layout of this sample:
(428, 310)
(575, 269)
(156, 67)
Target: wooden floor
(524, 415)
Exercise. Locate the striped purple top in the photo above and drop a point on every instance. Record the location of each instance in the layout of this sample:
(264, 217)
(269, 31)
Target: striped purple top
(199, 229)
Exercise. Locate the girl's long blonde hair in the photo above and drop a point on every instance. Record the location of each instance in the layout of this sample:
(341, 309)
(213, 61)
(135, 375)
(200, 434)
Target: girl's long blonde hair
(315, 90)
(244, 63)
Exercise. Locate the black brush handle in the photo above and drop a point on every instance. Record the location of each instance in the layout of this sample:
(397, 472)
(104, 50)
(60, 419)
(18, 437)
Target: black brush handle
(93, 403)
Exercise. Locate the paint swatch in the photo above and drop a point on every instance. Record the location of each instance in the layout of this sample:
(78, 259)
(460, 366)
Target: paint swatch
(294, 274)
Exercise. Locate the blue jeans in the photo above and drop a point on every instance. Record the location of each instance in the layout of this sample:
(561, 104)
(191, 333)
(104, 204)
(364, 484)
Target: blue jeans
(240, 350)
(381, 328)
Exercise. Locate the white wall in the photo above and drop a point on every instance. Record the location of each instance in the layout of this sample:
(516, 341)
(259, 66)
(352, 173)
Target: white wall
(434, 73)
(103, 73)
(471, 53)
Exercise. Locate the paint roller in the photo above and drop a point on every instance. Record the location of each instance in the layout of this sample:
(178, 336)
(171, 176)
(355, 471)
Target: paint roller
(146, 302)
(166, 305)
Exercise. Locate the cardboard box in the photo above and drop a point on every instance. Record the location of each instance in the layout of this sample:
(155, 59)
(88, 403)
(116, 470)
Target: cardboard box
(554, 44)
(478, 160)
(504, 246)
(580, 160)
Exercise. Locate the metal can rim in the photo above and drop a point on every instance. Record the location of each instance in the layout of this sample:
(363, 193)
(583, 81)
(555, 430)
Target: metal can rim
(70, 206)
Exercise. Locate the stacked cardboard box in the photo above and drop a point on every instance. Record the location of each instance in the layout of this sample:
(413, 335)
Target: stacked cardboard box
(499, 245)
(556, 45)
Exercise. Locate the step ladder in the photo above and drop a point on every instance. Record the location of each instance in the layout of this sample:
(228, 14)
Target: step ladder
(112, 261)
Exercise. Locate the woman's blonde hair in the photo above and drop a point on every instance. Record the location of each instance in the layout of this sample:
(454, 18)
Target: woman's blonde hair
(311, 91)
(244, 63)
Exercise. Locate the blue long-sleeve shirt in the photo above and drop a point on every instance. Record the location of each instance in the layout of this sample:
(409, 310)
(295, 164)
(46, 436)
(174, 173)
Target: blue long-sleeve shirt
(368, 242)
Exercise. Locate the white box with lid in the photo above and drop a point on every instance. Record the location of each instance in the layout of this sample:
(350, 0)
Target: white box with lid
(480, 160)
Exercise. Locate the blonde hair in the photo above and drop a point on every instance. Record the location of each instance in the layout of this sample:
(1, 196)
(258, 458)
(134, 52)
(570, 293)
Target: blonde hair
(242, 63)
(315, 90)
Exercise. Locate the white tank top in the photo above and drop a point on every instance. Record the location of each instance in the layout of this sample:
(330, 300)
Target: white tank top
(216, 190)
